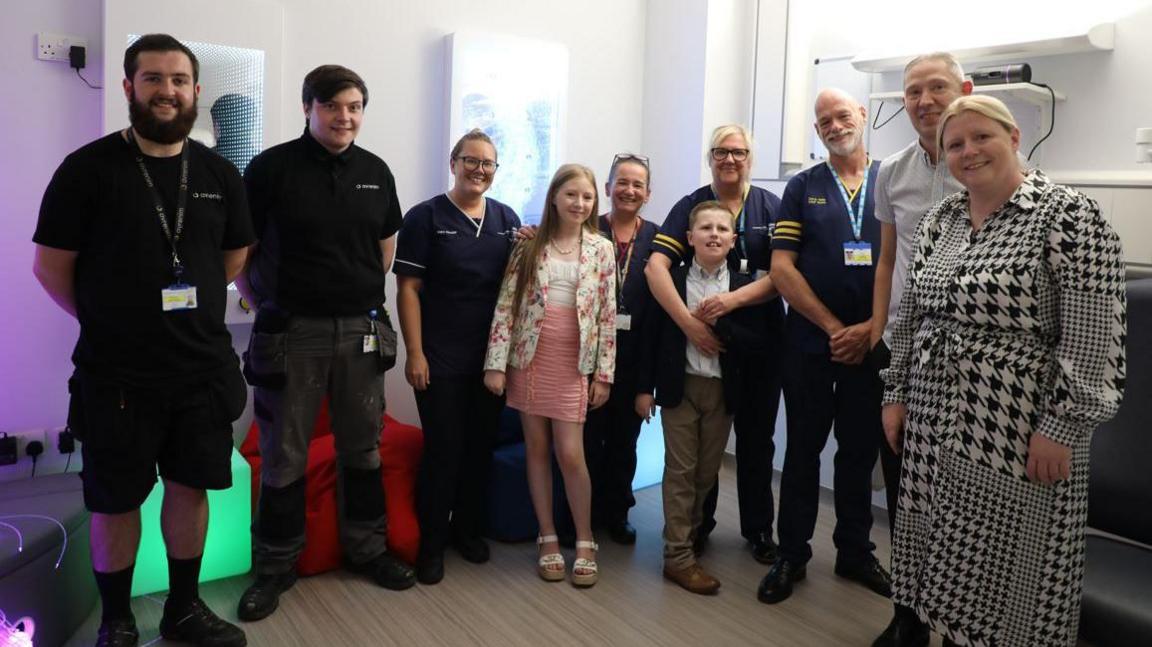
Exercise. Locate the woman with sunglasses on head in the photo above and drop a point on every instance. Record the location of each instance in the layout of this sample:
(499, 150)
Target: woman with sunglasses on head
(611, 431)
(552, 343)
(730, 160)
(450, 258)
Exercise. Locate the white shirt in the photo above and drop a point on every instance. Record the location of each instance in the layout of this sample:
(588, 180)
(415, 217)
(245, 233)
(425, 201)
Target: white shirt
(700, 286)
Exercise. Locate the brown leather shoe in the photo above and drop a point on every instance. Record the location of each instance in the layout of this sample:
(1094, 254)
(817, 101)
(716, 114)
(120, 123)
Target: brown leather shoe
(694, 579)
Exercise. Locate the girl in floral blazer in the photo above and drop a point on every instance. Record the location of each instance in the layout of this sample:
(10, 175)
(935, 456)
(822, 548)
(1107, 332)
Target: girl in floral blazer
(552, 345)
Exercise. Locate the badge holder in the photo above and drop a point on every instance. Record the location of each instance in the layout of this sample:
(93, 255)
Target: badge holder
(858, 253)
(179, 295)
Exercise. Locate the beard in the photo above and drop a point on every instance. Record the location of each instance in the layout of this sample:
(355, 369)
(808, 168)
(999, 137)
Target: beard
(844, 148)
(152, 128)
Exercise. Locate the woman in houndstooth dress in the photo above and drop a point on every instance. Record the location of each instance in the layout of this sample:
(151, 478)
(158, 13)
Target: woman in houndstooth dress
(1008, 351)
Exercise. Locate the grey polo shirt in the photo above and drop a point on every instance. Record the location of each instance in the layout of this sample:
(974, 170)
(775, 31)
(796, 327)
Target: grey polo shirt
(907, 186)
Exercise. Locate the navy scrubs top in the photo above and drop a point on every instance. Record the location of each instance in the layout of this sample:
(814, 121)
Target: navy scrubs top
(461, 262)
(633, 297)
(814, 223)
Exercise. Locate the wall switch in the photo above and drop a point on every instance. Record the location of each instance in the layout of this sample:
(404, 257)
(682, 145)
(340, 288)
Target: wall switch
(55, 47)
(22, 468)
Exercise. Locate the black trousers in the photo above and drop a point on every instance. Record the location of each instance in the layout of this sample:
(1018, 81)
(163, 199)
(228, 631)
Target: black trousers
(460, 419)
(754, 424)
(610, 435)
(818, 394)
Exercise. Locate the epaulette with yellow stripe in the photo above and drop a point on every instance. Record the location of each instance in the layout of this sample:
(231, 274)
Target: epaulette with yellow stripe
(669, 242)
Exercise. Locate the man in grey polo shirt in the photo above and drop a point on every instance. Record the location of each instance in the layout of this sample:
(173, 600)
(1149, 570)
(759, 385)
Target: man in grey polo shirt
(908, 184)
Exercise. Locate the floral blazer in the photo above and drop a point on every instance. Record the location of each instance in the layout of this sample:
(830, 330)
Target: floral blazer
(513, 343)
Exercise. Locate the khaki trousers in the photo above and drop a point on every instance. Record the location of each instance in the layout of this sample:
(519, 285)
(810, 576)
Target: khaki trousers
(695, 434)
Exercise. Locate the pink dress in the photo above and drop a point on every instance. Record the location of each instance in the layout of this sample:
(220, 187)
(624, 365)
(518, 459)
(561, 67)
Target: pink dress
(551, 385)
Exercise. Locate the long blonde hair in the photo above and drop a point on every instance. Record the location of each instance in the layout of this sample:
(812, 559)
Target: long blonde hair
(524, 262)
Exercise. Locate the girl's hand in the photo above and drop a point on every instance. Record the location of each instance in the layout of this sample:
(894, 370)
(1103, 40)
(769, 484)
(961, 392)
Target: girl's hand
(598, 394)
(494, 381)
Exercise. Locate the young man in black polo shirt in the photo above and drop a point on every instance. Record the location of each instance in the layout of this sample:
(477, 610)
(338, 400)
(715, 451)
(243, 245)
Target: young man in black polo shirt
(326, 214)
(139, 234)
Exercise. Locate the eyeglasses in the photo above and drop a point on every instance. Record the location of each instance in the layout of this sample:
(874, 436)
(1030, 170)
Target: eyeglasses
(738, 154)
(473, 163)
(629, 157)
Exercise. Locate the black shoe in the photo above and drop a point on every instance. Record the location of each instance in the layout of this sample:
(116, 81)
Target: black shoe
(263, 596)
(197, 624)
(905, 630)
(430, 569)
(387, 571)
(622, 532)
(763, 548)
(118, 633)
(777, 584)
(473, 549)
(868, 572)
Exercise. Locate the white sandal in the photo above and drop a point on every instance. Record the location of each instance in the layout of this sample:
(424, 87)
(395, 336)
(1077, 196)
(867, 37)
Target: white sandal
(591, 571)
(546, 565)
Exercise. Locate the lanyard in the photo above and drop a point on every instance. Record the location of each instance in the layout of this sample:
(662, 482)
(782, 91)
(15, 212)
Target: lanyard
(623, 267)
(740, 221)
(171, 234)
(856, 219)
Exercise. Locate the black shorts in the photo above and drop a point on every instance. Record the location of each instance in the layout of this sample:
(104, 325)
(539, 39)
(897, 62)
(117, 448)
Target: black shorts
(127, 432)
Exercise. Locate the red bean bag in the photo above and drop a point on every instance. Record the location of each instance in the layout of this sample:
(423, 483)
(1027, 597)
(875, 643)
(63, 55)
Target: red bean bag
(400, 449)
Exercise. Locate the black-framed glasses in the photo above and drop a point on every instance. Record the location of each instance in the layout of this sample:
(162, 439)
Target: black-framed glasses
(738, 154)
(629, 157)
(473, 163)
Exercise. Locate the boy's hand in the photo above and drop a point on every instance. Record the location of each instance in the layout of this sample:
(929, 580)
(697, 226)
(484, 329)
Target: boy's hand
(645, 406)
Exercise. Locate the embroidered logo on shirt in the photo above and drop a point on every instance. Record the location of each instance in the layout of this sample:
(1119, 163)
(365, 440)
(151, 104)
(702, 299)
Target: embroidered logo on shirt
(373, 187)
(207, 196)
(816, 199)
(447, 232)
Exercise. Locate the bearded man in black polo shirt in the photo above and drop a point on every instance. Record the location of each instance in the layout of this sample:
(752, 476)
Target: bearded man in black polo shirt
(139, 234)
(326, 214)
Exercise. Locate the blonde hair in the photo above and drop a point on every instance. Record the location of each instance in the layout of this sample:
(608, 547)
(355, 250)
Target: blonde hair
(981, 104)
(708, 205)
(950, 62)
(725, 131)
(474, 135)
(525, 264)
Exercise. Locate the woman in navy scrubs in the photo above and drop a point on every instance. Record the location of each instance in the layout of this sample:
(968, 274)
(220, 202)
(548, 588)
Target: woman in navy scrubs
(450, 259)
(730, 160)
(610, 432)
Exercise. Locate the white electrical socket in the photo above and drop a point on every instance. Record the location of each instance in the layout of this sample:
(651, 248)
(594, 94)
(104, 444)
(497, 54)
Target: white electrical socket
(23, 466)
(55, 47)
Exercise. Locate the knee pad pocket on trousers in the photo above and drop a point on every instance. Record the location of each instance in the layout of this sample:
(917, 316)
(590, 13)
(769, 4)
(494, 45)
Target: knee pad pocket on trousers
(281, 515)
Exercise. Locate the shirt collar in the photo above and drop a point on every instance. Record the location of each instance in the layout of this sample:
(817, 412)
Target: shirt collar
(699, 272)
(320, 153)
(1030, 191)
(925, 156)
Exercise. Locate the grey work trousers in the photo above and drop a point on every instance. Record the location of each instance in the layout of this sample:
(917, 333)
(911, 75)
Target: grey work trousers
(324, 356)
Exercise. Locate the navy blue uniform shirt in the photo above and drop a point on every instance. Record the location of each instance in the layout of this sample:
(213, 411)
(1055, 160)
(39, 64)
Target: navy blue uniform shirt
(633, 297)
(753, 228)
(814, 223)
(461, 262)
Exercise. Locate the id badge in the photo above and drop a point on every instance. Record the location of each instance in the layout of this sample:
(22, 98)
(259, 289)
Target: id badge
(858, 254)
(623, 321)
(178, 296)
(743, 266)
(371, 345)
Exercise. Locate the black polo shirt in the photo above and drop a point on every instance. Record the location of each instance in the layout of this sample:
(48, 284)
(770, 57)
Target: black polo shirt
(632, 296)
(98, 205)
(461, 262)
(320, 219)
(814, 223)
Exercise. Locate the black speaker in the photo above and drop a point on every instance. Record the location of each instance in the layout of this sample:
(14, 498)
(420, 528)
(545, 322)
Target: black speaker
(998, 74)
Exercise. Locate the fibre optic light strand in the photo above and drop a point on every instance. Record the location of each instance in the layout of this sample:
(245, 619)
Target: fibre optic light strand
(19, 537)
(63, 530)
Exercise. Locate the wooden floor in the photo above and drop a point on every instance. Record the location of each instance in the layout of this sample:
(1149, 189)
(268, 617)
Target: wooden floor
(505, 603)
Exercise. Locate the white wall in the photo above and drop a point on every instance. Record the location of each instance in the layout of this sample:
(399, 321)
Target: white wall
(49, 112)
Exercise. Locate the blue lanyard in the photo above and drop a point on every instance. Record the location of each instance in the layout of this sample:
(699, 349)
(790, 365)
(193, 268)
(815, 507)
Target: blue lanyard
(740, 218)
(857, 219)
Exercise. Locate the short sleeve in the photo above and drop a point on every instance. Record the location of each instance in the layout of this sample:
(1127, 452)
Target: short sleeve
(238, 230)
(67, 207)
(414, 244)
(883, 209)
(788, 232)
(771, 215)
(672, 241)
(393, 217)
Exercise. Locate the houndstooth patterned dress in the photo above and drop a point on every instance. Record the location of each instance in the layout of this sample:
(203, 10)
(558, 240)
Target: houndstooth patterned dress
(1012, 330)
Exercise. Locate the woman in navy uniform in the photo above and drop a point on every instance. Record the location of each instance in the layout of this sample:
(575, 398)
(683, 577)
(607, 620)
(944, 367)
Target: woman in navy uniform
(610, 432)
(450, 259)
(730, 159)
